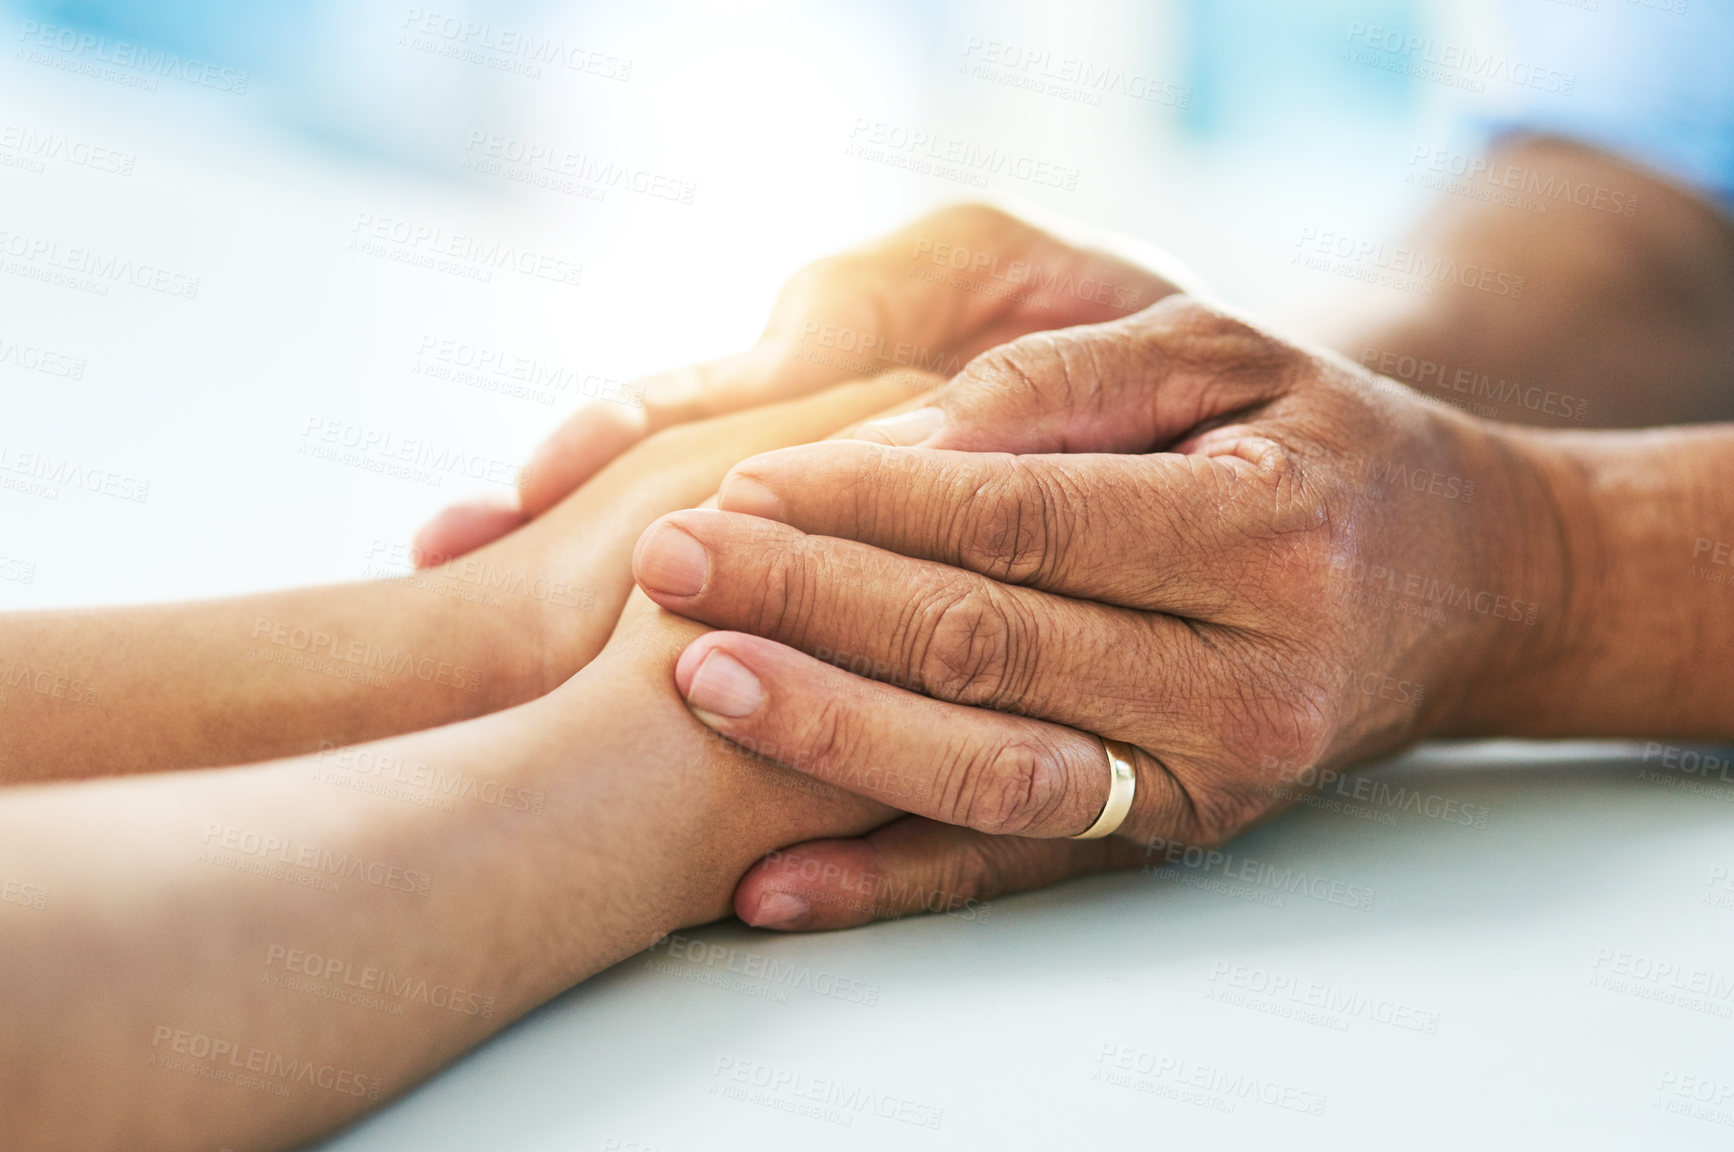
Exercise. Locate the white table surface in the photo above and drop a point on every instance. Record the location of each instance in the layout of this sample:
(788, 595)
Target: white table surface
(1561, 976)
(1495, 995)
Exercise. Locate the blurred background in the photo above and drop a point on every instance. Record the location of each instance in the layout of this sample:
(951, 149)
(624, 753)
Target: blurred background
(256, 256)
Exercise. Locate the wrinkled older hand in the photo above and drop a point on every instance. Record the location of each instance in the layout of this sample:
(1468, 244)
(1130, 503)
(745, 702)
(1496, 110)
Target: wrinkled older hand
(1248, 559)
(928, 296)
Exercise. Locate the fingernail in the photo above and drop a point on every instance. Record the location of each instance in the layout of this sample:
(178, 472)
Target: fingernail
(778, 908)
(722, 686)
(672, 562)
(745, 495)
(904, 430)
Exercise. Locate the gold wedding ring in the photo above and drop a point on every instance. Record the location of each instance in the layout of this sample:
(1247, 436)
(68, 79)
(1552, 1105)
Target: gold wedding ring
(1121, 786)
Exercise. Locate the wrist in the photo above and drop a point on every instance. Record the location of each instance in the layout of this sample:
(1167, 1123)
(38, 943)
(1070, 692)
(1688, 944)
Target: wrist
(1640, 641)
(1533, 529)
(558, 845)
(673, 813)
(529, 620)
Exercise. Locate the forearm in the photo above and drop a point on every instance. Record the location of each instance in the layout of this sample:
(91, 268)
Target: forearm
(168, 957)
(1614, 307)
(1641, 624)
(137, 689)
(120, 690)
(249, 957)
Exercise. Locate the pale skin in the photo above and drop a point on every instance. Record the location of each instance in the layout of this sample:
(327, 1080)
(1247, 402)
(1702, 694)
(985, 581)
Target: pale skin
(108, 691)
(176, 927)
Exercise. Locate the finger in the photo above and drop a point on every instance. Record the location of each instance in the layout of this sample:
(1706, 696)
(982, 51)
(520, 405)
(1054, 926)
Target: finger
(680, 467)
(1165, 531)
(942, 289)
(910, 866)
(463, 528)
(584, 547)
(848, 431)
(949, 634)
(588, 440)
(910, 299)
(597, 434)
(902, 301)
(914, 298)
(592, 437)
(1000, 774)
(1134, 385)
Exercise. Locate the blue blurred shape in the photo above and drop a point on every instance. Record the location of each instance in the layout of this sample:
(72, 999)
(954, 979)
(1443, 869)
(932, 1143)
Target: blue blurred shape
(1264, 68)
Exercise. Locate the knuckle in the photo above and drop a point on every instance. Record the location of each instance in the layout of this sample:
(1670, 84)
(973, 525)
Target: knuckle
(829, 740)
(1188, 316)
(783, 603)
(1030, 367)
(1185, 311)
(1190, 332)
(1265, 726)
(965, 649)
(829, 290)
(1069, 370)
(1014, 788)
(975, 214)
(1282, 501)
(972, 223)
(885, 492)
(1293, 724)
(1014, 525)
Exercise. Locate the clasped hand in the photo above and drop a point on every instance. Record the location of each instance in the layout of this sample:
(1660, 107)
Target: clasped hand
(1247, 559)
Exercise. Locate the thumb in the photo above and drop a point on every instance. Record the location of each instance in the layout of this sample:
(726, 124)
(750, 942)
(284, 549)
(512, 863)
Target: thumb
(910, 865)
(1135, 385)
(903, 301)
(928, 296)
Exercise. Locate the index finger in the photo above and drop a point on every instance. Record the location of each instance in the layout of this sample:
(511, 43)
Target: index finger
(1163, 532)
